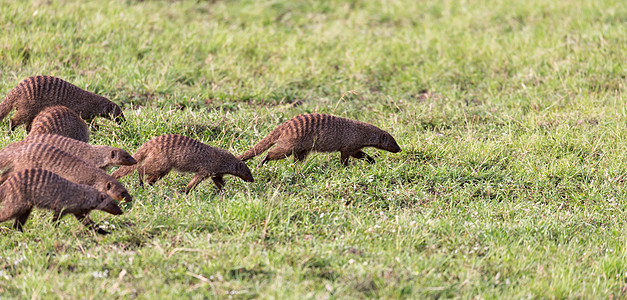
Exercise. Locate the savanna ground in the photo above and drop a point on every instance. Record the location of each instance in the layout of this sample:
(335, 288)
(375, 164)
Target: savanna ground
(511, 116)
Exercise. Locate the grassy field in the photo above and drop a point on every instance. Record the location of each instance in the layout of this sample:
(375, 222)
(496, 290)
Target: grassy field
(511, 116)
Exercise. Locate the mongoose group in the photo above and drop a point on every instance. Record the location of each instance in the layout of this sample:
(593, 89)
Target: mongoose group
(55, 168)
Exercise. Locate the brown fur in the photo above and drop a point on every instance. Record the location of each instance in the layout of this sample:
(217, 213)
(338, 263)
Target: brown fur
(35, 93)
(35, 155)
(100, 156)
(30, 188)
(157, 157)
(62, 121)
(322, 133)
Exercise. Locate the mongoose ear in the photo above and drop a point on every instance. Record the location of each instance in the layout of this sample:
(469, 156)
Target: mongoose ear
(109, 186)
(113, 154)
(101, 197)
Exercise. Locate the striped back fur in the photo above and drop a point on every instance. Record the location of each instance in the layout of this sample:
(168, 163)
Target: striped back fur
(62, 121)
(99, 155)
(35, 93)
(37, 155)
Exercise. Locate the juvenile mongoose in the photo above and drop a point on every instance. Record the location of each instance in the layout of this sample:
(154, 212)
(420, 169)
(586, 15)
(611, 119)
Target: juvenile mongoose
(35, 93)
(100, 156)
(62, 121)
(70, 167)
(322, 133)
(157, 157)
(30, 188)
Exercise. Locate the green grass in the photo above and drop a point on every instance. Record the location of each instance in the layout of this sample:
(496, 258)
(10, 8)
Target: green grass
(511, 116)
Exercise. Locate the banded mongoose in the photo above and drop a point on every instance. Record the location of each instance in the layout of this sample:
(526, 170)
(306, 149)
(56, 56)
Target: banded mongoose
(29, 188)
(322, 133)
(62, 121)
(35, 93)
(37, 155)
(101, 156)
(157, 157)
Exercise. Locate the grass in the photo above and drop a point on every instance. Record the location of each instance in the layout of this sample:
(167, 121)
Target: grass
(511, 116)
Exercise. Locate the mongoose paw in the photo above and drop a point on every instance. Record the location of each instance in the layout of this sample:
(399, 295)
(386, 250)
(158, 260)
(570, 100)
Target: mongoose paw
(101, 231)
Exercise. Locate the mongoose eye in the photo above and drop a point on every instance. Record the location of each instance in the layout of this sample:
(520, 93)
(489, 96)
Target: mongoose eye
(108, 186)
(112, 154)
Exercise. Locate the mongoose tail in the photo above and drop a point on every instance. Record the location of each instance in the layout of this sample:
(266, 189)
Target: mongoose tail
(262, 146)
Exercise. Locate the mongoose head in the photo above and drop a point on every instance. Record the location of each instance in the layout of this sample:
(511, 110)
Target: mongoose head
(242, 171)
(387, 142)
(114, 112)
(121, 157)
(107, 204)
(114, 189)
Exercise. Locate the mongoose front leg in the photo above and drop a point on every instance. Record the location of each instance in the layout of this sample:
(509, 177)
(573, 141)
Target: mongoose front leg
(344, 157)
(195, 181)
(21, 219)
(56, 217)
(140, 175)
(218, 181)
(86, 220)
(364, 156)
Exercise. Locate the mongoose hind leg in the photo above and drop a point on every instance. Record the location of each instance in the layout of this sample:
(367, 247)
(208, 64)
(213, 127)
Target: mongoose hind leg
(10, 210)
(195, 181)
(21, 219)
(300, 155)
(154, 177)
(278, 152)
(19, 118)
(362, 155)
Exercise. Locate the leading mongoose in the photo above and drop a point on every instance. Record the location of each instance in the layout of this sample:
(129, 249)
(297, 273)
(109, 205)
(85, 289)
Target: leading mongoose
(157, 157)
(62, 121)
(322, 133)
(101, 156)
(70, 167)
(29, 188)
(35, 93)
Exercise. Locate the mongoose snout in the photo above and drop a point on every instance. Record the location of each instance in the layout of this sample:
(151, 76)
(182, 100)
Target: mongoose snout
(122, 158)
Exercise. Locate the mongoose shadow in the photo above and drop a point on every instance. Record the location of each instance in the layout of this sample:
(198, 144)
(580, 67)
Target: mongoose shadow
(35, 93)
(29, 188)
(322, 133)
(60, 120)
(157, 157)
